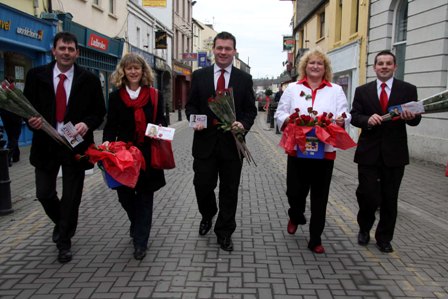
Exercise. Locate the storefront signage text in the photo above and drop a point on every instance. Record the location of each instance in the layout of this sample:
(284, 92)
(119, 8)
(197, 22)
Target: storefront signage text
(5, 25)
(98, 42)
(39, 34)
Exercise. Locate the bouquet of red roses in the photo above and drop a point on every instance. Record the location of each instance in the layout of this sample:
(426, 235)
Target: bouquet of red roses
(122, 161)
(223, 106)
(326, 130)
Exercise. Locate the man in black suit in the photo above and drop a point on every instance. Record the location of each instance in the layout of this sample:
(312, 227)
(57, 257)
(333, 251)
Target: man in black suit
(214, 151)
(382, 151)
(84, 107)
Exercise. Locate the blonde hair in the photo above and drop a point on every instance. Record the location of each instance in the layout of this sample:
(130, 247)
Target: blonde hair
(328, 75)
(118, 77)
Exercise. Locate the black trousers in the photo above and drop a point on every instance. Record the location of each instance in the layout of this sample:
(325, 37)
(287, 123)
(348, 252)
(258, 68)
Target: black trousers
(378, 188)
(64, 211)
(206, 174)
(138, 205)
(309, 176)
(13, 127)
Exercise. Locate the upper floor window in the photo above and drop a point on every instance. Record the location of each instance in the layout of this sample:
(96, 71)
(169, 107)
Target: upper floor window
(354, 17)
(321, 24)
(96, 2)
(112, 6)
(400, 36)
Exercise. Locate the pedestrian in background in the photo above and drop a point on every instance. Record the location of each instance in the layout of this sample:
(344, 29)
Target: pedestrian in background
(130, 109)
(62, 92)
(382, 151)
(13, 127)
(304, 175)
(214, 151)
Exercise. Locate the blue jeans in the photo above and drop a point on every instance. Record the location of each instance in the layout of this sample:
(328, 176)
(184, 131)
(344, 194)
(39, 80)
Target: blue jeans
(138, 205)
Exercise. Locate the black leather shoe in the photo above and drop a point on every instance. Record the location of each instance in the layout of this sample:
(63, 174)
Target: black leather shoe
(205, 226)
(139, 253)
(226, 243)
(385, 247)
(55, 236)
(64, 256)
(363, 238)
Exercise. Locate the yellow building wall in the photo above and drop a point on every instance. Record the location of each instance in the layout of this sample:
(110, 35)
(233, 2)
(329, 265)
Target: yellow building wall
(22, 5)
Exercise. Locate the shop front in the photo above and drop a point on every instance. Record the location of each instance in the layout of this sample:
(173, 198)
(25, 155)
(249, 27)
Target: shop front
(182, 78)
(25, 42)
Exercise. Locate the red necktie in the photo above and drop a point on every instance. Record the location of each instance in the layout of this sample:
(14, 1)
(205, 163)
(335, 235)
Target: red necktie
(383, 97)
(221, 85)
(61, 99)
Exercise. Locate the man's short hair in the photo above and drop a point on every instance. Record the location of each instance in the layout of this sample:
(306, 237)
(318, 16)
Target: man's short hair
(225, 35)
(66, 37)
(385, 52)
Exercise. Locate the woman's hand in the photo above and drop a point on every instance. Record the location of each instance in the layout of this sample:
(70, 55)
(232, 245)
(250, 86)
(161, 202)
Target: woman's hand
(35, 122)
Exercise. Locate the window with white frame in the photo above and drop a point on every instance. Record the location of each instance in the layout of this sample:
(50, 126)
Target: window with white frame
(400, 36)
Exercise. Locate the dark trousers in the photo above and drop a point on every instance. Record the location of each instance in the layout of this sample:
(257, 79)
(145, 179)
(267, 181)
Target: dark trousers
(63, 212)
(378, 188)
(138, 206)
(206, 174)
(312, 176)
(13, 127)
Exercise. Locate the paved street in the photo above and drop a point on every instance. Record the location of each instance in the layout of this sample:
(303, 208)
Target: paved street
(267, 262)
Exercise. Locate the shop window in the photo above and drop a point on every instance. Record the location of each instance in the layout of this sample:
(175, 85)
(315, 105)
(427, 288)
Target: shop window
(400, 36)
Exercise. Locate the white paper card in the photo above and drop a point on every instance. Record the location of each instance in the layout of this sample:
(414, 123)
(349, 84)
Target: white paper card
(71, 135)
(160, 132)
(196, 119)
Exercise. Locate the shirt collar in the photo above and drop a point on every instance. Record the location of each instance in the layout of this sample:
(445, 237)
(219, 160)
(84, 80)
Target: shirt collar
(388, 83)
(68, 73)
(324, 83)
(217, 69)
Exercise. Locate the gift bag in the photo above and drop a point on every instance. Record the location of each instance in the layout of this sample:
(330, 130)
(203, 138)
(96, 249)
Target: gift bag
(162, 154)
(446, 170)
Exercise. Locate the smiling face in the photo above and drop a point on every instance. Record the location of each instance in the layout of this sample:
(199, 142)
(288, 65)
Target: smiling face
(65, 54)
(133, 73)
(315, 68)
(224, 51)
(384, 67)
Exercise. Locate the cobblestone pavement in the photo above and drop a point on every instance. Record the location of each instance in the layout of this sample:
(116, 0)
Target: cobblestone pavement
(267, 262)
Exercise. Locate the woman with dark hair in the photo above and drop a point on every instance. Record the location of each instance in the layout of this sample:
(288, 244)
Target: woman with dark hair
(130, 110)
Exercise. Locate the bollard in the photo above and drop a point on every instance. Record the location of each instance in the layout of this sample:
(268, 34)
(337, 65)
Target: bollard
(167, 113)
(5, 182)
(179, 114)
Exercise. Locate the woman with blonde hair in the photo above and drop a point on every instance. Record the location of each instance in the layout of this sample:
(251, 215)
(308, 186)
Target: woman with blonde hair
(130, 109)
(305, 175)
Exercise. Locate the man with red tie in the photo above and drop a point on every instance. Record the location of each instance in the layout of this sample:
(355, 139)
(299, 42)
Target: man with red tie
(382, 151)
(214, 151)
(62, 92)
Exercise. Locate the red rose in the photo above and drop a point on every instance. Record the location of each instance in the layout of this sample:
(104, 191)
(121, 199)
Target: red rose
(344, 115)
(302, 93)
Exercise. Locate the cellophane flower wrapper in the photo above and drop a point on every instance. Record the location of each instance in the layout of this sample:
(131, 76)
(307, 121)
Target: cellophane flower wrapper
(122, 161)
(294, 134)
(13, 100)
(223, 106)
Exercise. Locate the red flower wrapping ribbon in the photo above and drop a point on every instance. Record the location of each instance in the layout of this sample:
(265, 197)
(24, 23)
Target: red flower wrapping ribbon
(295, 135)
(121, 161)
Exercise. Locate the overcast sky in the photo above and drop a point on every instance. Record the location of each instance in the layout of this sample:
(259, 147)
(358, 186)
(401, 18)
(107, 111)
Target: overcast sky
(258, 26)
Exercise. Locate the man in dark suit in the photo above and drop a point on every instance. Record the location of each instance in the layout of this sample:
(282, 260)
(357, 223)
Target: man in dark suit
(85, 109)
(382, 151)
(214, 151)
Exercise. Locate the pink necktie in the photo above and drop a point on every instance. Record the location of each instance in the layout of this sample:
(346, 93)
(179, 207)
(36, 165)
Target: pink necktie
(61, 99)
(221, 85)
(383, 97)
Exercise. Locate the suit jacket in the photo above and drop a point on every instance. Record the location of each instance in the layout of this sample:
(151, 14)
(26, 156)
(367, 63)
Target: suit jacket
(86, 104)
(202, 88)
(120, 126)
(386, 143)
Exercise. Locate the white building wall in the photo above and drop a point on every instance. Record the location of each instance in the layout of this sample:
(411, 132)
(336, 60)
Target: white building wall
(96, 17)
(426, 65)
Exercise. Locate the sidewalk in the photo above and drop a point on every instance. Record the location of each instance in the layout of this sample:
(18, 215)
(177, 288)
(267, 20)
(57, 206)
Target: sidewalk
(267, 262)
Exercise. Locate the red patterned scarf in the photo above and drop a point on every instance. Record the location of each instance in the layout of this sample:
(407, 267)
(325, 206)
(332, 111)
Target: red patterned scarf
(139, 114)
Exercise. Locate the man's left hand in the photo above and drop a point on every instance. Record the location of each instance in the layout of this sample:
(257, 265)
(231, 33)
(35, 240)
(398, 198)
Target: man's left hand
(407, 115)
(237, 126)
(81, 128)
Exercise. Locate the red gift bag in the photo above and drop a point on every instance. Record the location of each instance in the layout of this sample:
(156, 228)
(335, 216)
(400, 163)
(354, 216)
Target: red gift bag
(162, 156)
(446, 170)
